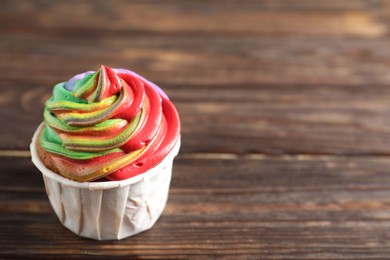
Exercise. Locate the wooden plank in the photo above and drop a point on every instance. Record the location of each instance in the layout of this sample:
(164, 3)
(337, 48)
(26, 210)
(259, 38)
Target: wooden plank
(192, 60)
(268, 119)
(201, 17)
(275, 207)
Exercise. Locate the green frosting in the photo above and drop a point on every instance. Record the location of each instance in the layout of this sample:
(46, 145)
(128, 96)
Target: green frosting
(79, 123)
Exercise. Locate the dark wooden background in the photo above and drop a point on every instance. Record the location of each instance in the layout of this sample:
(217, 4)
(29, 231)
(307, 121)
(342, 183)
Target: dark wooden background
(285, 108)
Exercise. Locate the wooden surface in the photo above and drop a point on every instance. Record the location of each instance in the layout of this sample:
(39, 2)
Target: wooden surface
(285, 109)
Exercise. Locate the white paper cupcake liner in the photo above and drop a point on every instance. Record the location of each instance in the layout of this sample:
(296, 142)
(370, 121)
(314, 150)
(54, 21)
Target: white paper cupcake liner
(110, 210)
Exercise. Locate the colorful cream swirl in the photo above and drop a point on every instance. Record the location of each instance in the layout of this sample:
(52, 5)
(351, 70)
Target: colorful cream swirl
(110, 123)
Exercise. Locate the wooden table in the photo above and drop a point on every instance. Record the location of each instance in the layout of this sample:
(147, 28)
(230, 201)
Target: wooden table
(285, 109)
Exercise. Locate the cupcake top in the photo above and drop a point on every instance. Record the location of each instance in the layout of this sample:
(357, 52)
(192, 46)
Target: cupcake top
(110, 124)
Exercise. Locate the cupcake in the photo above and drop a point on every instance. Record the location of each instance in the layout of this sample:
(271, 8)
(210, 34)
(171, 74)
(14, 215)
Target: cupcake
(105, 150)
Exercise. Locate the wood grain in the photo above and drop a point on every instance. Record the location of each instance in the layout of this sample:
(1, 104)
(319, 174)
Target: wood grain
(273, 207)
(285, 129)
(194, 17)
(226, 60)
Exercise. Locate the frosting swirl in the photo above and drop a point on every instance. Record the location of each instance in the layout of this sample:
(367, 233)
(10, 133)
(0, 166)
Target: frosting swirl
(110, 123)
